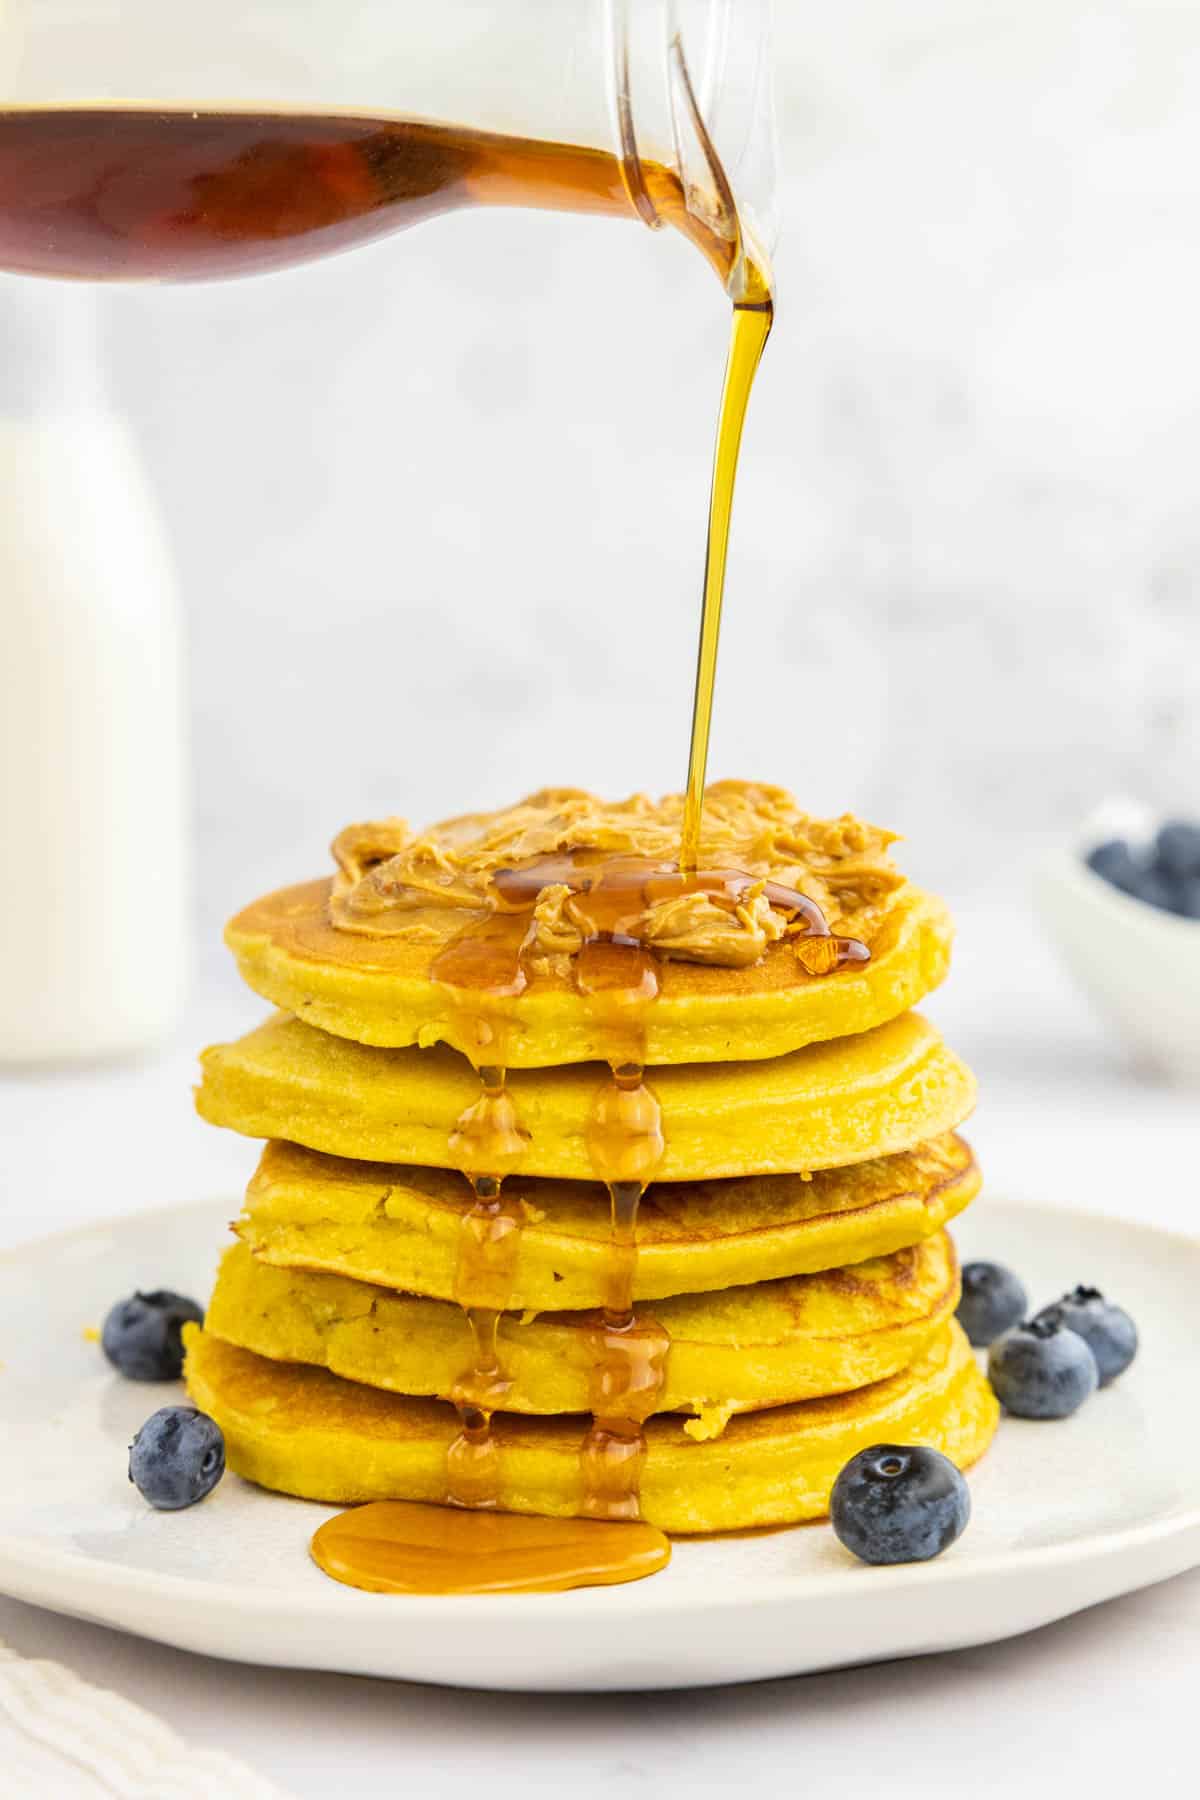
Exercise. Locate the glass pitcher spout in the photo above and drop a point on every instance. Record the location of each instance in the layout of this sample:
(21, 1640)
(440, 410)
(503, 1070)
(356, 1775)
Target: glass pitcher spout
(691, 95)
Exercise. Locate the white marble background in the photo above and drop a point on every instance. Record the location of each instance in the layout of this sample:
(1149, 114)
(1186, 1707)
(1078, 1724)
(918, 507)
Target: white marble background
(437, 505)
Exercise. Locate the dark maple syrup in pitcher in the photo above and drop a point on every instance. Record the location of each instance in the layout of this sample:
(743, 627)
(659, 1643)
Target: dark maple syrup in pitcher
(110, 193)
(138, 193)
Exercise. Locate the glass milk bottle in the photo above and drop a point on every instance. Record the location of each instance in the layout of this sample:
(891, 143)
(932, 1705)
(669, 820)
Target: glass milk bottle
(92, 909)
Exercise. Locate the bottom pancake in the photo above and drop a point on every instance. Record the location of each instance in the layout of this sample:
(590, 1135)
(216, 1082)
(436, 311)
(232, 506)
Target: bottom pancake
(305, 1432)
(763, 1345)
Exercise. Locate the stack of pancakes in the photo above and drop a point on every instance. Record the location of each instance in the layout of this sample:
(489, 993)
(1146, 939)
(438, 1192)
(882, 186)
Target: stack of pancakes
(442, 1292)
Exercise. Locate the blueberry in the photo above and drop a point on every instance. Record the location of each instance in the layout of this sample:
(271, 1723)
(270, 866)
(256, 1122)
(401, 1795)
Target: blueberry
(1109, 1333)
(899, 1503)
(1042, 1370)
(1177, 848)
(1115, 863)
(1169, 880)
(1155, 889)
(1187, 896)
(992, 1300)
(142, 1336)
(177, 1457)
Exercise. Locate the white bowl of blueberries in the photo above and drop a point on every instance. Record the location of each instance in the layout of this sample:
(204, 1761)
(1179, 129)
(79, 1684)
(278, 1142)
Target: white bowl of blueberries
(1123, 908)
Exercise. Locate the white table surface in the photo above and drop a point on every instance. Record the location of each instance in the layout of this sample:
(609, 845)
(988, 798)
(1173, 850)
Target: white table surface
(1062, 1118)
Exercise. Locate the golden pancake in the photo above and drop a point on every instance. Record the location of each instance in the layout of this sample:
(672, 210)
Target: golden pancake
(372, 954)
(379, 991)
(748, 1347)
(826, 1106)
(306, 1432)
(401, 1227)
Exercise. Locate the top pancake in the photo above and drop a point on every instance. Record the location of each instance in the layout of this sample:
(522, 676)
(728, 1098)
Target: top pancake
(369, 975)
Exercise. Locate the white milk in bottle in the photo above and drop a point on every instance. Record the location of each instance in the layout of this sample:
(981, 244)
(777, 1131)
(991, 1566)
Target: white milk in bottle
(93, 928)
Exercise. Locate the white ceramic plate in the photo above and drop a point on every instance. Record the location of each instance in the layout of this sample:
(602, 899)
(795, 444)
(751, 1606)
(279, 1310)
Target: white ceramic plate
(1064, 1515)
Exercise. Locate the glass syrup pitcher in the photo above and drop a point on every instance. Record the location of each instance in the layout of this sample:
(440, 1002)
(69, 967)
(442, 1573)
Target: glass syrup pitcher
(142, 139)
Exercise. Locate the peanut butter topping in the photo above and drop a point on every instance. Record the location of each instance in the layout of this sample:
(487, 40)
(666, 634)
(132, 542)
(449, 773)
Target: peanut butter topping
(557, 861)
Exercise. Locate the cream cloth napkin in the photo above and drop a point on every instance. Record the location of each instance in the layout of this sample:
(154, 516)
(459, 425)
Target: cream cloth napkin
(62, 1739)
